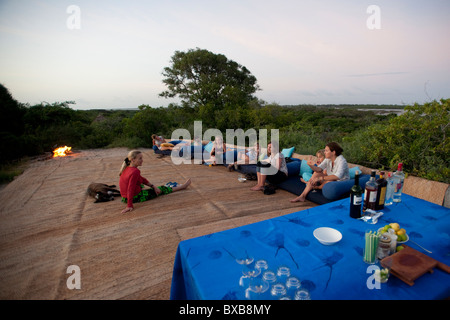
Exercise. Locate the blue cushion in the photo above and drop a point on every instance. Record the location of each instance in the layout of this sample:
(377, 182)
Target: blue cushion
(209, 146)
(287, 153)
(306, 176)
(293, 167)
(352, 172)
(338, 189)
(305, 168)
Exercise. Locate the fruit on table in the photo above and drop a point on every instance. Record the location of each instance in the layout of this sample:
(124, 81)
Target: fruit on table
(395, 226)
(400, 232)
(399, 248)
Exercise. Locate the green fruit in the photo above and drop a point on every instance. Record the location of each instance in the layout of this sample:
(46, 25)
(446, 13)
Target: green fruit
(399, 248)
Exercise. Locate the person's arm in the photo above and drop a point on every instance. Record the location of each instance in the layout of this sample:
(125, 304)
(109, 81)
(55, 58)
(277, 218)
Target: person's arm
(147, 183)
(314, 167)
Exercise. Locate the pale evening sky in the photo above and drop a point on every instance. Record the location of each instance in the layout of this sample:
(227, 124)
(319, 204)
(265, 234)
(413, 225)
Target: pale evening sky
(300, 51)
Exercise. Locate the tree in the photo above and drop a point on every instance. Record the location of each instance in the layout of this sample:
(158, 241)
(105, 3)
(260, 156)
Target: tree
(420, 138)
(200, 77)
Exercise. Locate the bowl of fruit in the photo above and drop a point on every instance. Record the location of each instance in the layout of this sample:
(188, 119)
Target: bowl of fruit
(401, 234)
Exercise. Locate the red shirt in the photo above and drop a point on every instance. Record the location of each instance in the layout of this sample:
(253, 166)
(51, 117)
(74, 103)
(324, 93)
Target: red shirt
(130, 184)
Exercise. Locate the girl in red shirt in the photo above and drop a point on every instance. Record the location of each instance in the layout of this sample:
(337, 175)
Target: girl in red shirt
(131, 182)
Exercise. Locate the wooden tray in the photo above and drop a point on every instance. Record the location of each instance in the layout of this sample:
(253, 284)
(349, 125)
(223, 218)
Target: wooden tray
(410, 264)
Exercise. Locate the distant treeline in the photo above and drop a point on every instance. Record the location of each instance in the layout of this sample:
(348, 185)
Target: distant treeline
(419, 138)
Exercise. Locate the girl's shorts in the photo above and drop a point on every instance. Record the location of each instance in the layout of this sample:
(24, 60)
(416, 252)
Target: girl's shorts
(148, 194)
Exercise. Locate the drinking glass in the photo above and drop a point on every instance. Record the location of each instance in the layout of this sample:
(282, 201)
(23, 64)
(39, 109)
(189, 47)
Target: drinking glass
(249, 271)
(292, 285)
(269, 276)
(262, 265)
(257, 287)
(302, 294)
(246, 261)
(283, 273)
(278, 291)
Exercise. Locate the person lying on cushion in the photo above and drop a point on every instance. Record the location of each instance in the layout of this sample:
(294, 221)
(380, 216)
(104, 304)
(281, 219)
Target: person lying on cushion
(251, 156)
(276, 162)
(160, 143)
(131, 182)
(336, 170)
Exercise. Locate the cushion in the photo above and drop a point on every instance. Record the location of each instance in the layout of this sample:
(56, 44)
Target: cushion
(338, 189)
(305, 168)
(209, 146)
(352, 172)
(306, 176)
(287, 153)
(293, 167)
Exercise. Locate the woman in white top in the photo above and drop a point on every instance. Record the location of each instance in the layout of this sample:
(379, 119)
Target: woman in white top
(336, 168)
(273, 170)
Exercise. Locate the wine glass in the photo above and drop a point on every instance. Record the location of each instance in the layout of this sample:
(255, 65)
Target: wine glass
(257, 287)
(243, 258)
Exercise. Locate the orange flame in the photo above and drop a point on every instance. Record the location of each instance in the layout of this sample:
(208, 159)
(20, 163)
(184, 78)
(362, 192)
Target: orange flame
(61, 152)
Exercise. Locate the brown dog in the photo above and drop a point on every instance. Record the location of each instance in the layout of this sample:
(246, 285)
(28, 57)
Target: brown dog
(102, 192)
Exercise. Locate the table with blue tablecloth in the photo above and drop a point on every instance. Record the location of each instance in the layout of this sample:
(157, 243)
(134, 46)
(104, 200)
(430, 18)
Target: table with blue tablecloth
(206, 267)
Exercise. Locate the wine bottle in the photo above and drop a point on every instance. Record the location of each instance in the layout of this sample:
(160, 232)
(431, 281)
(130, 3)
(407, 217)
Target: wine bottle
(381, 192)
(389, 190)
(370, 193)
(399, 178)
(356, 193)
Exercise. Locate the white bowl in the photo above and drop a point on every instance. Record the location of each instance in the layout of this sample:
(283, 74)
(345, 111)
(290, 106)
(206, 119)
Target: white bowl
(327, 236)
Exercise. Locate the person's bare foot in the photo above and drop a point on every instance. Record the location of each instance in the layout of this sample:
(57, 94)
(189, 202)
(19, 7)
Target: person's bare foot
(298, 199)
(257, 188)
(183, 186)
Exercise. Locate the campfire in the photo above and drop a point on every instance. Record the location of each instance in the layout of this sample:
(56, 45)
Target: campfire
(61, 152)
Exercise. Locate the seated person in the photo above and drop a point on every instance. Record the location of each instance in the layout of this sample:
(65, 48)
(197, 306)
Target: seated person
(217, 151)
(320, 156)
(131, 182)
(336, 170)
(275, 161)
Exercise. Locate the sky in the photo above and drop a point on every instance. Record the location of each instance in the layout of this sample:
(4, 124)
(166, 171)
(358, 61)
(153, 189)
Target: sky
(111, 54)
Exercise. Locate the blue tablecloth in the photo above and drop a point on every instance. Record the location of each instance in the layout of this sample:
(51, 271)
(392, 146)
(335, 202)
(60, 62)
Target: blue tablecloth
(205, 267)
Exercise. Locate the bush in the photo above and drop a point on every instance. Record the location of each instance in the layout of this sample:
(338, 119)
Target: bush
(420, 138)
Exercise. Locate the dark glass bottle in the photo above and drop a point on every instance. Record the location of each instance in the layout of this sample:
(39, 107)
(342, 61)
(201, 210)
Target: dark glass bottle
(381, 192)
(370, 193)
(356, 193)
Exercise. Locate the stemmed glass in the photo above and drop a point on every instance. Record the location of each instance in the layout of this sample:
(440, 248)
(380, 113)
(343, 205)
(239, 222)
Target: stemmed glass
(256, 288)
(258, 285)
(248, 269)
